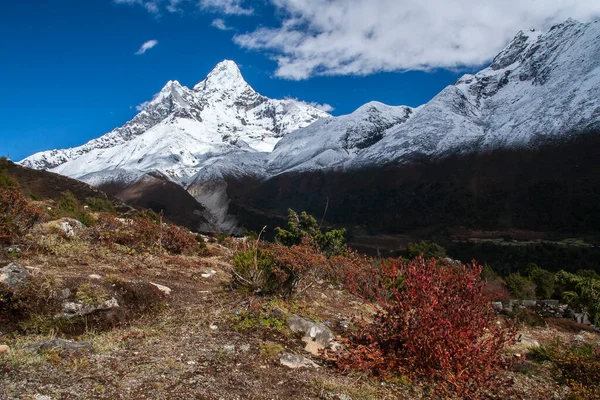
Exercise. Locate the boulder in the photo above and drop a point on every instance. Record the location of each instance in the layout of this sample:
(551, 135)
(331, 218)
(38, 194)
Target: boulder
(60, 344)
(13, 275)
(529, 303)
(312, 331)
(295, 361)
(497, 305)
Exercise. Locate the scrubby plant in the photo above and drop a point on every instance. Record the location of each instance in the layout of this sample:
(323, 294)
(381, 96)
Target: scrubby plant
(17, 215)
(521, 286)
(100, 205)
(576, 365)
(303, 225)
(545, 283)
(142, 233)
(426, 250)
(68, 206)
(6, 181)
(432, 322)
(580, 293)
(495, 287)
(275, 269)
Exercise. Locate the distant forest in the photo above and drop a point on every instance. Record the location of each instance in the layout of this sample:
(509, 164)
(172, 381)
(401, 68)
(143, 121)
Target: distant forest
(553, 187)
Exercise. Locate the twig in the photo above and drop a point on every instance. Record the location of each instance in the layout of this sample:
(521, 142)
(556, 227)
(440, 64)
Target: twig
(324, 213)
(96, 378)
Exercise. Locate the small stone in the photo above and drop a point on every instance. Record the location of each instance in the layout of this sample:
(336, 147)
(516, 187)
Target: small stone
(95, 276)
(213, 327)
(4, 349)
(191, 363)
(209, 273)
(295, 361)
(497, 305)
(166, 291)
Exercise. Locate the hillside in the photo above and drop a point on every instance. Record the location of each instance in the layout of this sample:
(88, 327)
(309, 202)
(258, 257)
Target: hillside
(130, 307)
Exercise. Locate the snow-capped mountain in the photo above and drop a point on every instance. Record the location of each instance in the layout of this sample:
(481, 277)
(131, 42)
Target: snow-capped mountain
(181, 128)
(541, 86)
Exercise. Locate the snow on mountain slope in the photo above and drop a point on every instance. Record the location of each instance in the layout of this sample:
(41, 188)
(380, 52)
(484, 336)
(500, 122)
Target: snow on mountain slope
(540, 86)
(180, 128)
(332, 141)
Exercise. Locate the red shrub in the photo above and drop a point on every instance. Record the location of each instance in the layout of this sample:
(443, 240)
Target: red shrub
(143, 233)
(17, 215)
(432, 322)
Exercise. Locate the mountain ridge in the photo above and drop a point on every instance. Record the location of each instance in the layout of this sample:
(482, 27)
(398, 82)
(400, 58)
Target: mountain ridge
(539, 87)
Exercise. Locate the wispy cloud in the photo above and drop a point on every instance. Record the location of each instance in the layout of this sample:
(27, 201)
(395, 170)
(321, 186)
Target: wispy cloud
(229, 7)
(323, 107)
(152, 6)
(361, 37)
(220, 24)
(142, 107)
(146, 46)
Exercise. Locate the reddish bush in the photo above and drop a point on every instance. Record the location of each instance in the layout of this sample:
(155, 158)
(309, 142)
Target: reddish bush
(495, 290)
(432, 321)
(17, 215)
(143, 233)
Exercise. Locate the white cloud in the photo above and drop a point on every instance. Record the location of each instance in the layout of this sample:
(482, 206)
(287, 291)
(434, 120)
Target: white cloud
(142, 107)
(220, 24)
(230, 7)
(152, 6)
(360, 37)
(323, 107)
(146, 46)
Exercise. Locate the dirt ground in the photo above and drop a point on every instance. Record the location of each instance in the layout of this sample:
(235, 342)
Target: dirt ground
(198, 342)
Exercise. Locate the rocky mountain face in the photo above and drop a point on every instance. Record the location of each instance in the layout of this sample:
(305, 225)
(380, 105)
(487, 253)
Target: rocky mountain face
(180, 129)
(541, 88)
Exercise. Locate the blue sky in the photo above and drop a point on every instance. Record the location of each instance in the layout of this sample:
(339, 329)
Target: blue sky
(70, 72)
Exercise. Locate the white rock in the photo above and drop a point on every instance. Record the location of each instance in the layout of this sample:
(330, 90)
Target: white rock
(164, 289)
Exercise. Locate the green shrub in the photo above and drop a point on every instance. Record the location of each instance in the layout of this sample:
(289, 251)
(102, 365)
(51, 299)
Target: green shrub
(577, 366)
(303, 225)
(6, 181)
(520, 286)
(68, 206)
(426, 250)
(580, 293)
(100, 205)
(545, 283)
(252, 269)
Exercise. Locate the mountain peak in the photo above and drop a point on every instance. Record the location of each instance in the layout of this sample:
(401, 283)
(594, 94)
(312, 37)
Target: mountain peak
(225, 75)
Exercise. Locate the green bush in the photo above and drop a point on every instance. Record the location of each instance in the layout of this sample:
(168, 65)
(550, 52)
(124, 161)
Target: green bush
(521, 286)
(252, 269)
(426, 250)
(545, 283)
(580, 293)
(68, 206)
(100, 205)
(6, 181)
(302, 226)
